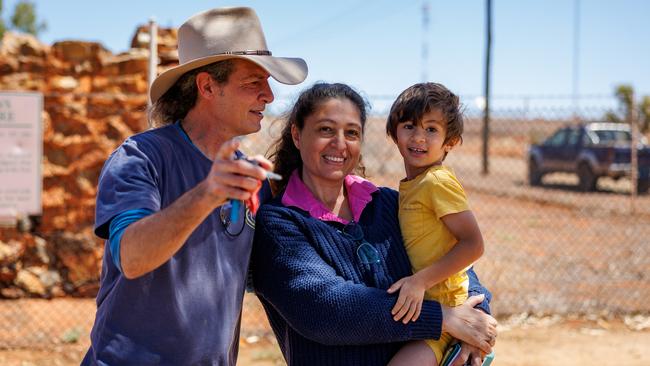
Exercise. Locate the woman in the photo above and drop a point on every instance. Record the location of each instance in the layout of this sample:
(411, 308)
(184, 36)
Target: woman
(328, 246)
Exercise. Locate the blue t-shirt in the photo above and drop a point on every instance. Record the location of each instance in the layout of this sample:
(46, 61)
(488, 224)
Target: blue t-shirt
(187, 311)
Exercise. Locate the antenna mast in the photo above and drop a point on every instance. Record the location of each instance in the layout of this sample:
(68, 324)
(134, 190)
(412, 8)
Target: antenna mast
(425, 40)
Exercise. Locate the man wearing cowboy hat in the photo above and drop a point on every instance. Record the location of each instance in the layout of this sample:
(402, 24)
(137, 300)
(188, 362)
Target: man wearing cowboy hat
(175, 263)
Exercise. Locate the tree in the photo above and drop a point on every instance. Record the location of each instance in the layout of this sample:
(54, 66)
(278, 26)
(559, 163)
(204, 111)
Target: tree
(24, 18)
(625, 95)
(644, 113)
(2, 22)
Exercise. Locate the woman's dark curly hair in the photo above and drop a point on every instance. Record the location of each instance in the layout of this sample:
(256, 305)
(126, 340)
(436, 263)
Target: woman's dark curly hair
(283, 153)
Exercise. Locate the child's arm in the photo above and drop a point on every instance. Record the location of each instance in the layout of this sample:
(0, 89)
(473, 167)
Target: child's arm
(466, 251)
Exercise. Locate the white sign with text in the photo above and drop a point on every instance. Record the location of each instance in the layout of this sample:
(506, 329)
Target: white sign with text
(21, 151)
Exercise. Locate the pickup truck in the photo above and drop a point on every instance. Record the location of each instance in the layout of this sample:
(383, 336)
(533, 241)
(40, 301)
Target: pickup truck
(591, 151)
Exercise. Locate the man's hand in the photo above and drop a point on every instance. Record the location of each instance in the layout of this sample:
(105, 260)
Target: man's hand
(234, 179)
(409, 302)
(151, 241)
(470, 325)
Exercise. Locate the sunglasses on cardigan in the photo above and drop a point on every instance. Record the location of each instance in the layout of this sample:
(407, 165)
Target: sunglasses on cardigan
(366, 252)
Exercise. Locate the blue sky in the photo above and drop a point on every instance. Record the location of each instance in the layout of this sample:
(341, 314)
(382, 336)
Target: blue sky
(376, 45)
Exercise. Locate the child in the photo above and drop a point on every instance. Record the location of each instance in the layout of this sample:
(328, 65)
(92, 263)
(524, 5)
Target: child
(441, 235)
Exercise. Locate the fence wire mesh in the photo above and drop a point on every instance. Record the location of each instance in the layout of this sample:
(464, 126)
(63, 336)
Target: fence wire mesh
(550, 249)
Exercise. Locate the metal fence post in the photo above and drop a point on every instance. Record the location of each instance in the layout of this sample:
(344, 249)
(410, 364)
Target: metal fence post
(153, 52)
(633, 120)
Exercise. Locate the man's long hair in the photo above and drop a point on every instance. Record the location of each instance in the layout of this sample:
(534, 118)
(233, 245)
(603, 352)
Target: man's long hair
(182, 96)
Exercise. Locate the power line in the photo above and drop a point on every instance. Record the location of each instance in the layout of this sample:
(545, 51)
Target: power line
(334, 20)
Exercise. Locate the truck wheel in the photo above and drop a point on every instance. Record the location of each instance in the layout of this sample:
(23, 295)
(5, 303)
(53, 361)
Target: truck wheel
(587, 178)
(642, 186)
(534, 174)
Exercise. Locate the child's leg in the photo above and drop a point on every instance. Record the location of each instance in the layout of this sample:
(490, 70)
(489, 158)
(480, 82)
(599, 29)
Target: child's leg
(413, 354)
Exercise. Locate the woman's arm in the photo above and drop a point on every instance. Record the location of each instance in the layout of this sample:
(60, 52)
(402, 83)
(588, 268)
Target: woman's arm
(322, 306)
(318, 303)
(470, 325)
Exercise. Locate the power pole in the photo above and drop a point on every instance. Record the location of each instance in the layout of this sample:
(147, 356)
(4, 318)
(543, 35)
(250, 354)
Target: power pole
(486, 115)
(633, 119)
(425, 41)
(576, 60)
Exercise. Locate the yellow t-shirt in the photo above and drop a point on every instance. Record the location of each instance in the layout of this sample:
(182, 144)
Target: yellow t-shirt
(422, 202)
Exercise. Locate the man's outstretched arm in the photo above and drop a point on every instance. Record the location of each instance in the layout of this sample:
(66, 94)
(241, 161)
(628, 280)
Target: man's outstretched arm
(154, 239)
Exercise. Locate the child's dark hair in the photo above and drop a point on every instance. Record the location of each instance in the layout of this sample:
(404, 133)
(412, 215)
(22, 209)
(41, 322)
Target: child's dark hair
(283, 153)
(414, 102)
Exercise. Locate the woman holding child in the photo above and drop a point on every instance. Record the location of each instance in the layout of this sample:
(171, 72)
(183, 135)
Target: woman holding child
(328, 247)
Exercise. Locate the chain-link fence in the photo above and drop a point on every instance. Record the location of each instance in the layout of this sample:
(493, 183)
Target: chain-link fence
(549, 249)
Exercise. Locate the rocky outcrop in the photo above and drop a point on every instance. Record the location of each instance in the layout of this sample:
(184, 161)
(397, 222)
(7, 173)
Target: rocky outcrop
(166, 41)
(93, 100)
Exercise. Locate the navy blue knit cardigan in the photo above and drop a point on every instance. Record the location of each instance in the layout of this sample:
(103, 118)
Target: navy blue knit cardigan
(324, 305)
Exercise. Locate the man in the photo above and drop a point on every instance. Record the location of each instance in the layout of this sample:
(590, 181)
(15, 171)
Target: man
(175, 263)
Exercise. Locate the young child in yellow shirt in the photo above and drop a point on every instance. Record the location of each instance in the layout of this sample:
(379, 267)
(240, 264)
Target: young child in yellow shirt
(441, 235)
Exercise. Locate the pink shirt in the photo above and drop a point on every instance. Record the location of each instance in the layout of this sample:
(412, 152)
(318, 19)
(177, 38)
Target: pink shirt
(359, 192)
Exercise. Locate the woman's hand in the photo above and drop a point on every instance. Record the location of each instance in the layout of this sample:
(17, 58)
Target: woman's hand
(468, 353)
(409, 303)
(470, 325)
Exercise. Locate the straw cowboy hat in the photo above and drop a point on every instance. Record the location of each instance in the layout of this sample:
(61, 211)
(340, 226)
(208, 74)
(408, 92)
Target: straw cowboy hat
(221, 34)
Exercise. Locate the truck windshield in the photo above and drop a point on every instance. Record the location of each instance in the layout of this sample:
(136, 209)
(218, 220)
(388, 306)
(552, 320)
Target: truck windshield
(611, 137)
